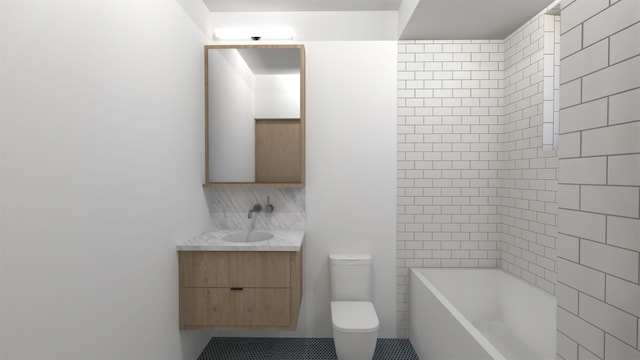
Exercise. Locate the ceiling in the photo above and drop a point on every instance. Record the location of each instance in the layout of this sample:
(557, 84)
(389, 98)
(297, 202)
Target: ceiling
(431, 20)
(469, 19)
(301, 5)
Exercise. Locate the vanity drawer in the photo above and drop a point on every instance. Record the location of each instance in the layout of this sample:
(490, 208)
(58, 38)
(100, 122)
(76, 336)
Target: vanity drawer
(245, 269)
(220, 307)
(240, 290)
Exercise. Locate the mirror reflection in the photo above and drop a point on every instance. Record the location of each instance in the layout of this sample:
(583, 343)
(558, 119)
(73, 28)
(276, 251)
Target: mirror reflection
(254, 118)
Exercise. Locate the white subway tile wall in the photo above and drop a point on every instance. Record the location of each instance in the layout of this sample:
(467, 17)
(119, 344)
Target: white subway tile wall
(528, 174)
(475, 188)
(450, 102)
(598, 244)
(551, 92)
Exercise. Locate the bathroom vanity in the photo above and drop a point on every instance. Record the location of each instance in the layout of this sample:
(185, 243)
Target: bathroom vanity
(241, 286)
(254, 137)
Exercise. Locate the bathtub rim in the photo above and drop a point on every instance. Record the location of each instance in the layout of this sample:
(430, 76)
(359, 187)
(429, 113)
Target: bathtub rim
(499, 270)
(473, 331)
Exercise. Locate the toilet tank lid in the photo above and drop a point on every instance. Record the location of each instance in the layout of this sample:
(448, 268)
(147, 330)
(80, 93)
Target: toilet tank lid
(348, 259)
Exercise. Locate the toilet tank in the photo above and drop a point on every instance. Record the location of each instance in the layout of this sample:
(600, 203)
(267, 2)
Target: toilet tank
(350, 277)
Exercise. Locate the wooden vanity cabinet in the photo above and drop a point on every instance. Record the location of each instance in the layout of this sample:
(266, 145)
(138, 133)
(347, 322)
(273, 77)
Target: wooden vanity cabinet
(240, 290)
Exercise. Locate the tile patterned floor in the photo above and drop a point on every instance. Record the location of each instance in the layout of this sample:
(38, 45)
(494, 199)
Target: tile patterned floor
(235, 348)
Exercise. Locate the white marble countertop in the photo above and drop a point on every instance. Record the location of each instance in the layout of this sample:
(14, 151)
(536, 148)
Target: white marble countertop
(289, 240)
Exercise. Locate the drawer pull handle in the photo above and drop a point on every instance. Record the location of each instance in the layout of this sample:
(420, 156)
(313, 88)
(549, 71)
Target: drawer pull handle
(236, 289)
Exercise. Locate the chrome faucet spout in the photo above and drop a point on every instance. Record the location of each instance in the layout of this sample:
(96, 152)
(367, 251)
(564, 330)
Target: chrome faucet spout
(256, 209)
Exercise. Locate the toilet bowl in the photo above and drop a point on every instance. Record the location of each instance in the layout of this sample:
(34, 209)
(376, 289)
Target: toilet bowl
(354, 318)
(355, 329)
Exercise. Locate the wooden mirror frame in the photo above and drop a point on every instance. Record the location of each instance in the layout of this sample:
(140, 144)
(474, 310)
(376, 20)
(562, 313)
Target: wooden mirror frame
(301, 183)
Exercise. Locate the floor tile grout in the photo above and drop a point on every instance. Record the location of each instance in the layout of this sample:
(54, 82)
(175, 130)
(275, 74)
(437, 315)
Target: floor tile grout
(263, 348)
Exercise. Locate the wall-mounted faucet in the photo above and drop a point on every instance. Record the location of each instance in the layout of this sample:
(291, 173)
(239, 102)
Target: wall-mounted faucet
(256, 209)
(268, 208)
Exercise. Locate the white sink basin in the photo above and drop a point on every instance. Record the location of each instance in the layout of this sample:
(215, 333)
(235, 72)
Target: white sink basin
(248, 236)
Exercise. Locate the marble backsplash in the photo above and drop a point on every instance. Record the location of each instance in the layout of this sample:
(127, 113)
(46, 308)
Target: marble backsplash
(229, 208)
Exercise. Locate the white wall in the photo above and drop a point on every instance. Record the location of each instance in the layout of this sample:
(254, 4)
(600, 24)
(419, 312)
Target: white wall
(102, 169)
(351, 180)
(101, 175)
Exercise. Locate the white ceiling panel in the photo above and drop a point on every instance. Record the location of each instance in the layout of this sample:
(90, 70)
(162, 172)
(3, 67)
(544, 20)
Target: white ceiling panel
(301, 5)
(469, 19)
(431, 20)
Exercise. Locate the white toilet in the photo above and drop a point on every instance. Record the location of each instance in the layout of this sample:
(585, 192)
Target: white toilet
(355, 322)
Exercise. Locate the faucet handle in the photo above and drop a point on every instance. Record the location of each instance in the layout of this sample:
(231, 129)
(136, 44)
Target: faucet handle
(268, 207)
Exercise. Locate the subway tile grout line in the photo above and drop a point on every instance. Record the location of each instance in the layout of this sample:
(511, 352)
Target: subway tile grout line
(595, 212)
(637, 333)
(594, 269)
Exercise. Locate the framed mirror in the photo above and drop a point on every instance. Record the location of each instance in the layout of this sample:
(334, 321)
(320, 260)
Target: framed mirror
(254, 115)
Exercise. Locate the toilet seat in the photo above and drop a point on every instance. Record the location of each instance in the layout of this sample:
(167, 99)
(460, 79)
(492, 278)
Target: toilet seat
(354, 316)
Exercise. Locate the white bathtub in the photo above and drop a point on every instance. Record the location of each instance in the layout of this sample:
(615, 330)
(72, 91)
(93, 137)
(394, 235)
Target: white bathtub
(479, 314)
